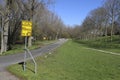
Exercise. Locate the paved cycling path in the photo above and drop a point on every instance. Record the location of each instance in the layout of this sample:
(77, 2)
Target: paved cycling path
(16, 58)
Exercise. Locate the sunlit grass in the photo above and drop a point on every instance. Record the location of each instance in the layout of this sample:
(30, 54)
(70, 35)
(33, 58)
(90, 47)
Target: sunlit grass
(72, 61)
(103, 43)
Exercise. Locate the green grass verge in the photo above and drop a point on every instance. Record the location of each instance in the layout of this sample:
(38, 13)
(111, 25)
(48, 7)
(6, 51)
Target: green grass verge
(103, 43)
(20, 48)
(72, 61)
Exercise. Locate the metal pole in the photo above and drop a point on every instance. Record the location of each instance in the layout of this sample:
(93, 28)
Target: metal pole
(26, 42)
(25, 53)
(33, 60)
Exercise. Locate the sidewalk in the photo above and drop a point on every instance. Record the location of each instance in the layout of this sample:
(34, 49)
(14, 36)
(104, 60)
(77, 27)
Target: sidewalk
(5, 75)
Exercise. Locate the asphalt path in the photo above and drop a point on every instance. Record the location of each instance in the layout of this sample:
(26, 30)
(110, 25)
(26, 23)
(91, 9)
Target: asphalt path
(17, 58)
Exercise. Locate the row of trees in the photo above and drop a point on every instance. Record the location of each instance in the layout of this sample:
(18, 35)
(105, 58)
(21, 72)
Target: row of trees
(103, 21)
(45, 22)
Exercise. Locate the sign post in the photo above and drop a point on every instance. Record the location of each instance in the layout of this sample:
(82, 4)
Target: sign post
(27, 31)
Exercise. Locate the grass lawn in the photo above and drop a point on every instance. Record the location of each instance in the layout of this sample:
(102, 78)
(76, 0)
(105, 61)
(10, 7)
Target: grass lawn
(72, 61)
(103, 43)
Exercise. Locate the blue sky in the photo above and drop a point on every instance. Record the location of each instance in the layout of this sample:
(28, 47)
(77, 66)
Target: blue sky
(74, 11)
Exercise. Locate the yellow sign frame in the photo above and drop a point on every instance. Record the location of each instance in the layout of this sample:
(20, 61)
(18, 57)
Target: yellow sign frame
(26, 28)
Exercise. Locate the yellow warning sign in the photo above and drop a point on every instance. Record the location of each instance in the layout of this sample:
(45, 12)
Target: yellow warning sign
(26, 28)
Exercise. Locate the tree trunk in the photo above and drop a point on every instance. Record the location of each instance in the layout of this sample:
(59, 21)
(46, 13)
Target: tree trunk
(29, 41)
(31, 19)
(112, 27)
(2, 41)
(30, 37)
(5, 34)
(56, 37)
(106, 32)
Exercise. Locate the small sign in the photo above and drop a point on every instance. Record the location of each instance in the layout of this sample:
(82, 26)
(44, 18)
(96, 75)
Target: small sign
(26, 28)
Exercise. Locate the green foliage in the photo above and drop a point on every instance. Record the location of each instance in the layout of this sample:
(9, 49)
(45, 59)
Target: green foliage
(72, 61)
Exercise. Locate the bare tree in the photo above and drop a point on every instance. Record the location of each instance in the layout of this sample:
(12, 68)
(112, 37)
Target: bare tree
(45, 22)
(112, 7)
(4, 34)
